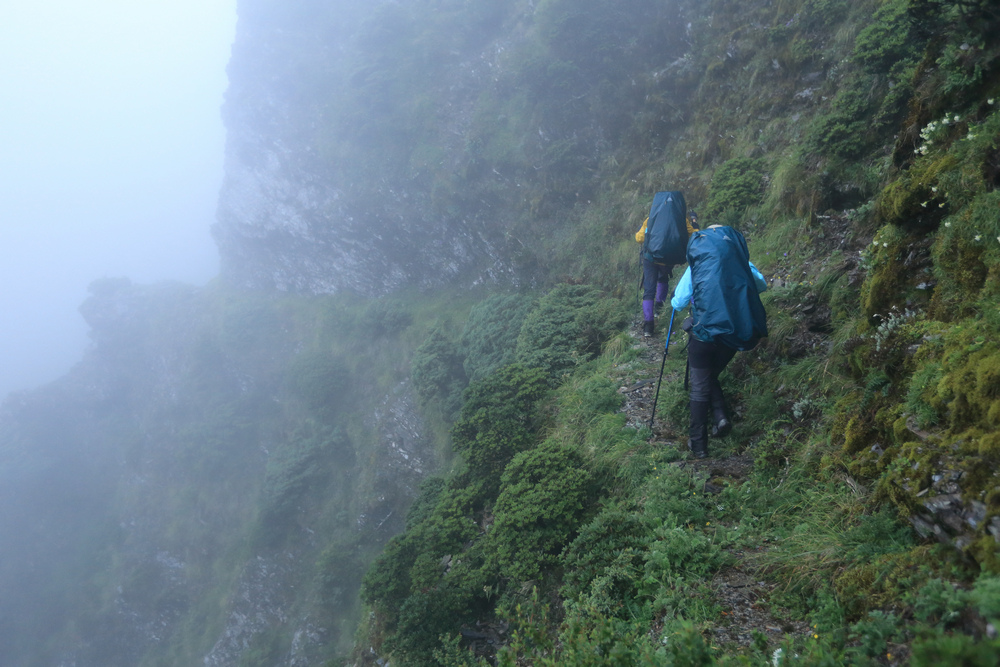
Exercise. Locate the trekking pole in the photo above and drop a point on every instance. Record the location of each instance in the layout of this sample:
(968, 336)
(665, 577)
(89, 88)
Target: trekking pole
(666, 348)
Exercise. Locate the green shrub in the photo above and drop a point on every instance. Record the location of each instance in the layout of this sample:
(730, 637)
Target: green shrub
(498, 420)
(596, 552)
(295, 470)
(872, 635)
(939, 603)
(321, 381)
(887, 38)
(383, 317)
(438, 372)
(490, 333)
(542, 495)
(956, 649)
(567, 328)
(736, 185)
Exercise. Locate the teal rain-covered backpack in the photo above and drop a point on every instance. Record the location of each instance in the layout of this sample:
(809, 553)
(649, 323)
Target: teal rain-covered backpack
(666, 229)
(726, 307)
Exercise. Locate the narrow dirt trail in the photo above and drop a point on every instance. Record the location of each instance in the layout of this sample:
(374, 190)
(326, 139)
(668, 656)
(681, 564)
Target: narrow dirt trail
(740, 592)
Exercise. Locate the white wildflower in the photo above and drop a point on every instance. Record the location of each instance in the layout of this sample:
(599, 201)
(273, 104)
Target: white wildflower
(990, 101)
(941, 205)
(978, 237)
(924, 204)
(777, 656)
(934, 188)
(956, 118)
(947, 224)
(885, 245)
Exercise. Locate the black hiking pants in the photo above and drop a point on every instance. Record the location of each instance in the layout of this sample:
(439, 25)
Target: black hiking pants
(707, 361)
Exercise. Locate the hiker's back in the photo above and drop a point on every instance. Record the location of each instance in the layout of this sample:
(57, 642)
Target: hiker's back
(726, 307)
(666, 229)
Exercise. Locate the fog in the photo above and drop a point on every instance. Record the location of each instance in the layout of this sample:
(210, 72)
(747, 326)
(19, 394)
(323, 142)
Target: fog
(112, 144)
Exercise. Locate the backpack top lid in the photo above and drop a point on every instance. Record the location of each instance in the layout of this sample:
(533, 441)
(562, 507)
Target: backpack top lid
(726, 308)
(666, 229)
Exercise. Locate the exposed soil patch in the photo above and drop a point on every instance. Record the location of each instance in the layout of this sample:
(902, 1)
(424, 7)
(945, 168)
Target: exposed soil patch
(744, 601)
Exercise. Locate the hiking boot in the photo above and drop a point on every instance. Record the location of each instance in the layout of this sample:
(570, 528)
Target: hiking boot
(647, 328)
(698, 450)
(721, 428)
(657, 308)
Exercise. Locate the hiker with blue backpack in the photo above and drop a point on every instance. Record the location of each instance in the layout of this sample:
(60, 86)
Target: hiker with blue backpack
(664, 236)
(722, 286)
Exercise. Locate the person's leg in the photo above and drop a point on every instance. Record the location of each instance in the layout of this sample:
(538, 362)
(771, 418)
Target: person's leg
(700, 358)
(721, 424)
(650, 273)
(662, 287)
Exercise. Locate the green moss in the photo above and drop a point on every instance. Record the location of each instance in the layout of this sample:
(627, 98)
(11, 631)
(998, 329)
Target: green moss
(918, 195)
(883, 286)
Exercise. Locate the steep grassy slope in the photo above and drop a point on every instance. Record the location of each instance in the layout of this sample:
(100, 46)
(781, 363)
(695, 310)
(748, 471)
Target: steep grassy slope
(855, 145)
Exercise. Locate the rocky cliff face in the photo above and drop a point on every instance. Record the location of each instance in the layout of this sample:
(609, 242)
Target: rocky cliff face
(313, 200)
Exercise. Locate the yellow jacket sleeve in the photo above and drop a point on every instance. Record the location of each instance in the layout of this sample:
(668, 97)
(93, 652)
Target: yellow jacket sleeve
(640, 235)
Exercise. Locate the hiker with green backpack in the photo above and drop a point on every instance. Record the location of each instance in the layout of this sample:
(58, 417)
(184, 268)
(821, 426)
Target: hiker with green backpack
(664, 236)
(722, 286)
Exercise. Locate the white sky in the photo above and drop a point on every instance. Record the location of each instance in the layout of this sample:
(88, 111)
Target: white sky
(111, 147)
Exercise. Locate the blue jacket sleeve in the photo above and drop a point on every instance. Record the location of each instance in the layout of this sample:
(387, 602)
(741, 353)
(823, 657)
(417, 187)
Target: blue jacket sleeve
(683, 291)
(758, 278)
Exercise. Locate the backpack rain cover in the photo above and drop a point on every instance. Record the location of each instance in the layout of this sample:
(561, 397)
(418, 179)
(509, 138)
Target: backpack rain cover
(666, 230)
(727, 308)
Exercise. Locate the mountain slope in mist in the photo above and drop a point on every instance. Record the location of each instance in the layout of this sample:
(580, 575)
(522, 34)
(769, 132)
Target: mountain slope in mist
(420, 194)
